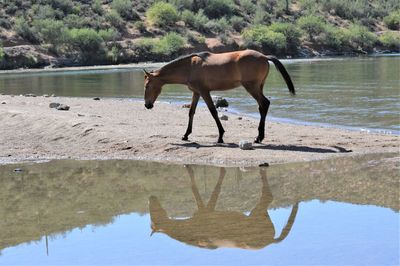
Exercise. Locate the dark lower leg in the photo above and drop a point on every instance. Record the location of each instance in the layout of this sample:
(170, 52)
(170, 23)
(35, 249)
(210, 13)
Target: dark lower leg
(193, 105)
(263, 108)
(208, 100)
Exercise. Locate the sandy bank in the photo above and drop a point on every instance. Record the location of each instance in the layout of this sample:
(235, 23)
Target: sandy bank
(123, 129)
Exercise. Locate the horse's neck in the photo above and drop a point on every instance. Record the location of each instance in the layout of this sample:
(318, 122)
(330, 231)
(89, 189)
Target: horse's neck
(175, 73)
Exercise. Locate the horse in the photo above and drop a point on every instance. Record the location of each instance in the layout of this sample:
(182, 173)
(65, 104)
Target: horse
(211, 228)
(205, 72)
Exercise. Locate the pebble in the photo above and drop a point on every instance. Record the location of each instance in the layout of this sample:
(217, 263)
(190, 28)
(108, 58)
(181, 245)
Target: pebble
(224, 117)
(46, 95)
(186, 105)
(240, 118)
(245, 145)
(17, 170)
(62, 107)
(54, 105)
(96, 98)
(264, 165)
(3, 102)
(30, 95)
(221, 102)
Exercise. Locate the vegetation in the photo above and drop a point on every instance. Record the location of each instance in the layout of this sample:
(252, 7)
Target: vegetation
(127, 30)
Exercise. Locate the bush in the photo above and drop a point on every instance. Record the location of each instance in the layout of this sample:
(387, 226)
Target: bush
(166, 46)
(97, 7)
(50, 31)
(312, 25)
(188, 17)
(361, 37)
(392, 21)
(248, 6)
(1, 53)
(237, 23)
(291, 33)
(109, 35)
(23, 29)
(390, 40)
(124, 9)
(334, 37)
(218, 26)
(86, 40)
(75, 21)
(162, 14)
(43, 12)
(219, 8)
(200, 21)
(115, 19)
(140, 26)
(182, 4)
(264, 38)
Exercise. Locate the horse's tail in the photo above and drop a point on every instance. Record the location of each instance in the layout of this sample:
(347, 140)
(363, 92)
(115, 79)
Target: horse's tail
(283, 71)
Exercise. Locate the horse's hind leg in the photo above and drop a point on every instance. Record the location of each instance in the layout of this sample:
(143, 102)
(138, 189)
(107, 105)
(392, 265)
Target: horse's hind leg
(193, 105)
(255, 90)
(208, 100)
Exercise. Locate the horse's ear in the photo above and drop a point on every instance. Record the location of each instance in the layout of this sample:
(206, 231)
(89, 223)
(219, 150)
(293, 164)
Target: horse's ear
(147, 74)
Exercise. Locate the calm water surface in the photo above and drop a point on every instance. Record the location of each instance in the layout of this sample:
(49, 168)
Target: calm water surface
(340, 211)
(352, 92)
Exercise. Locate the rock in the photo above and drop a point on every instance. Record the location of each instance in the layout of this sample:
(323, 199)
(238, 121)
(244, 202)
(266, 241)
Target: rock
(96, 98)
(17, 170)
(54, 105)
(264, 165)
(46, 95)
(62, 107)
(221, 102)
(53, 95)
(186, 105)
(3, 102)
(245, 145)
(224, 117)
(240, 118)
(30, 95)
(81, 115)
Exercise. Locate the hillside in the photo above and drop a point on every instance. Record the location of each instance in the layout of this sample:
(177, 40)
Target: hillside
(38, 33)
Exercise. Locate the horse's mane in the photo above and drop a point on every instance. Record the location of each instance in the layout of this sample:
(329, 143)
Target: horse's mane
(180, 60)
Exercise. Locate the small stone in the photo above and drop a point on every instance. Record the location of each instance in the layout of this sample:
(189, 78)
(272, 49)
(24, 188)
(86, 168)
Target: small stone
(81, 115)
(221, 102)
(245, 145)
(264, 165)
(3, 102)
(63, 107)
(186, 105)
(17, 170)
(54, 105)
(96, 98)
(53, 95)
(46, 95)
(240, 118)
(224, 117)
(30, 95)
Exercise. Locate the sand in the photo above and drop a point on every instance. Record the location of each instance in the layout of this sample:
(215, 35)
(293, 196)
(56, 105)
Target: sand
(124, 129)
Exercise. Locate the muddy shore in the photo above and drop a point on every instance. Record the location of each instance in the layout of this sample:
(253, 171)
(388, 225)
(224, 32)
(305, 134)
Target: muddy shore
(124, 129)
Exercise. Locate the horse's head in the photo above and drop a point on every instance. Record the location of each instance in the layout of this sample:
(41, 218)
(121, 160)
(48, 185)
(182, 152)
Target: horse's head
(152, 88)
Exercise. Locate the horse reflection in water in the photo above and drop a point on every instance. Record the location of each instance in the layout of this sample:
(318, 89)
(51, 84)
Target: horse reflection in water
(210, 228)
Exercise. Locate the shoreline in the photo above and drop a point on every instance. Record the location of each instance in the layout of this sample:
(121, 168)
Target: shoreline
(124, 129)
(159, 64)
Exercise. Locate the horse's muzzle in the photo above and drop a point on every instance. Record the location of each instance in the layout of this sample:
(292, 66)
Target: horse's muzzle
(148, 105)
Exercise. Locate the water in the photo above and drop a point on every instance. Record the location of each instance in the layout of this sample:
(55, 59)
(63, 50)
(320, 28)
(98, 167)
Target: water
(339, 211)
(356, 93)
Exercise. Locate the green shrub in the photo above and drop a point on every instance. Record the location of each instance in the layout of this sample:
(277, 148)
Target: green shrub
(218, 26)
(124, 9)
(237, 23)
(50, 31)
(98, 7)
(43, 12)
(74, 21)
(109, 35)
(248, 6)
(23, 29)
(312, 25)
(140, 26)
(188, 17)
(182, 4)
(115, 19)
(162, 14)
(334, 37)
(361, 37)
(291, 33)
(169, 44)
(1, 53)
(390, 40)
(392, 21)
(262, 37)
(86, 40)
(219, 8)
(200, 21)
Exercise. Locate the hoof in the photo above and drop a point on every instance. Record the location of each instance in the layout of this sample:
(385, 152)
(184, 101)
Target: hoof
(185, 138)
(220, 141)
(258, 140)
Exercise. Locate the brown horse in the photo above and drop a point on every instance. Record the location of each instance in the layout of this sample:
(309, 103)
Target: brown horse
(211, 228)
(205, 72)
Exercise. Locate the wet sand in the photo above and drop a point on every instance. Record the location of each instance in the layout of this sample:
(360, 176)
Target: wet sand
(124, 129)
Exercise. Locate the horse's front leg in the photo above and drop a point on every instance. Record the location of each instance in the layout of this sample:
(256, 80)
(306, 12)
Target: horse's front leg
(210, 104)
(192, 110)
